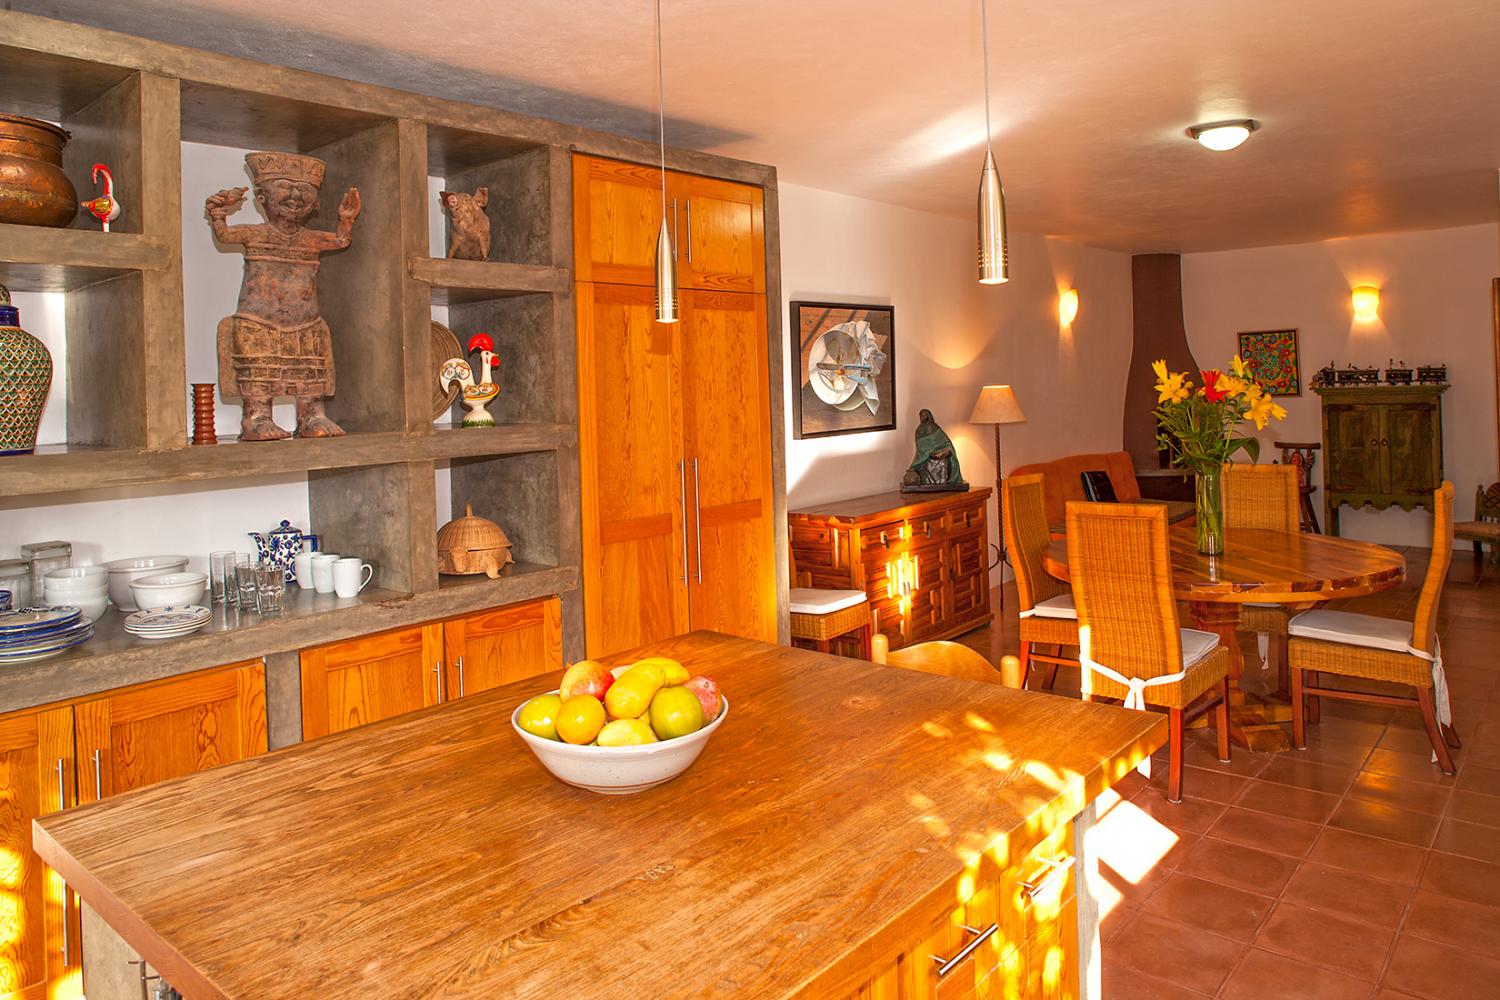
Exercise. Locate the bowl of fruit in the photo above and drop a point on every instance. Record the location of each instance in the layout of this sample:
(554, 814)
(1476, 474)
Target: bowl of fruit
(624, 730)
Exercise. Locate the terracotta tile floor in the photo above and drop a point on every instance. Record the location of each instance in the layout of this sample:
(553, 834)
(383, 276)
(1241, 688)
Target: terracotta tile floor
(1352, 869)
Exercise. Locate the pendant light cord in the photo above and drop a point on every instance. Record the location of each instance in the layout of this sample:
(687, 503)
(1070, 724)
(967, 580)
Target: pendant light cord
(984, 43)
(661, 119)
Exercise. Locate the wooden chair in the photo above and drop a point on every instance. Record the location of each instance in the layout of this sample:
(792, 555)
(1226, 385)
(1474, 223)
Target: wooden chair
(1381, 649)
(948, 659)
(1486, 524)
(1133, 646)
(1302, 456)
(1047, 615)
(1264, 496)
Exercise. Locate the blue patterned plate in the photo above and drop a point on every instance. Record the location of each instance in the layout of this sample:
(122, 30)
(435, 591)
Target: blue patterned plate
(36, 621)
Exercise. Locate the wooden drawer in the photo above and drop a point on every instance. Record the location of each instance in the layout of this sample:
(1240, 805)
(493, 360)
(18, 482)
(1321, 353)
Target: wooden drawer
(969, 571)
(1041, 889)
(928, 527)
(819, 551)
(971, 515)
(880, 541)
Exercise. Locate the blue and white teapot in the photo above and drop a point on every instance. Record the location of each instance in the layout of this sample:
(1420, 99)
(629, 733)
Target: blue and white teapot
(281, 545)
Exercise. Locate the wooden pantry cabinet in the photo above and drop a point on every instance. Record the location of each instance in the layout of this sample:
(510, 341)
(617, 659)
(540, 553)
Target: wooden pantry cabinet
(362, 680)
(59, 756)
(674, 419)
(1384, 447)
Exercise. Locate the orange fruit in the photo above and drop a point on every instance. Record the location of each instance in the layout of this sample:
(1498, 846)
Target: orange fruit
(580, 718)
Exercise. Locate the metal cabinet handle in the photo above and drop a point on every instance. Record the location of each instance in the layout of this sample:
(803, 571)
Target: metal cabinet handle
(62, 803)
(688, 205)
(98, 775)
(439, 671)
(947, 965)
(697, 520)
(883, 540)
(460, 676)
(928, 525)
(682, 504)
(1056, 869)
(62, 796)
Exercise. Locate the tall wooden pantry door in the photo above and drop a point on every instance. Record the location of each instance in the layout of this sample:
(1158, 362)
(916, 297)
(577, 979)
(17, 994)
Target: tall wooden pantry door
(617, 214)
(727, 445)
(634, 483)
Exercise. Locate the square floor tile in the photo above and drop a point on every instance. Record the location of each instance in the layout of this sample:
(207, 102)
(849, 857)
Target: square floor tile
(1211, 906)
(1191, 815)
(1471, 840)
(1456, 923)
(1369, 900)
(1238, 866)
(1463, 878)
(1199, 783)
(1178, 953)
(1326, 939)
(1378, 820)
(1121, 983)
(1291, 768)
(1472, 807)
(1288, 801)
(1436, 972)
(1418, 796)
(1264, 975)
(1371, 856)
(1264, 831)
(1408, 766)
(1476, 778)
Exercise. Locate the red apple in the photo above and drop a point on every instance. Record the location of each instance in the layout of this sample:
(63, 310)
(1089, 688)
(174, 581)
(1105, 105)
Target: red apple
(586, 677)
(708, 696)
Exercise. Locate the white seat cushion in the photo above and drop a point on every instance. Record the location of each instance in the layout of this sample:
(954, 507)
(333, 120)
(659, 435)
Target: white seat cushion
(1354, 629)
(810, 601)
(1060, 606)
(1196, 645)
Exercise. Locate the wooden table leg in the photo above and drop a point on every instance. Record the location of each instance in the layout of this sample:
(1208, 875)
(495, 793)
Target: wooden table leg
(1251, 723)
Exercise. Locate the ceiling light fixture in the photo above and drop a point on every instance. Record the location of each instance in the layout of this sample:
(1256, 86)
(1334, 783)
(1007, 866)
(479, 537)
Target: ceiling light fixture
(1223, 136)
(994, 244)
(666, 254)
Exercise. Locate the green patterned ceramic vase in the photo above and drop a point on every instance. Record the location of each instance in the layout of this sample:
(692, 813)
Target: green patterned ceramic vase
(25, 378)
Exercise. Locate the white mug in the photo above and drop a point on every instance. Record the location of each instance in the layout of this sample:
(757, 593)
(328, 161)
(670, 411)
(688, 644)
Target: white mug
(322, 571)
(350, 576)
(302, 566)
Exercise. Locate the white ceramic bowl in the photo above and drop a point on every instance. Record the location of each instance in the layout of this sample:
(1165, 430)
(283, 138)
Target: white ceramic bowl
(77, 585)
(77, 577)
(618, 770)
(168, 589)
(123, 571)
(93, 608)
(82, 593)
(53, 599)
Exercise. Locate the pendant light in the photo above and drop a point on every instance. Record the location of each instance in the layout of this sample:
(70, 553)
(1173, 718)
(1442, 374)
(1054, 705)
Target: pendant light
(994, 244)
(666, 254)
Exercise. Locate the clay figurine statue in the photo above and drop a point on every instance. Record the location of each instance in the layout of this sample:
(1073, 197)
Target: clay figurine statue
(468, 226)
(277, 342)
(104, 208)
(477, 395)
(935, 469)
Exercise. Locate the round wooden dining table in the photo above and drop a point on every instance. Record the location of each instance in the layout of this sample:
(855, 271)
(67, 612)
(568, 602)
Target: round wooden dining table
(1293, 569)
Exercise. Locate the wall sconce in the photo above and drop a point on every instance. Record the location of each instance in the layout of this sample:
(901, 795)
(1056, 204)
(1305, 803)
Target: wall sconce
(1067, 306)
(1366, 300)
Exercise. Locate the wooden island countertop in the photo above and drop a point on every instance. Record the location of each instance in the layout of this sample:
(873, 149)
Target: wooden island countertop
(839, 811)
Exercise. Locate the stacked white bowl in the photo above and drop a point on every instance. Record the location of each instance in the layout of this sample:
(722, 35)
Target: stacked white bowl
(84, 587)
(168, 590)
(123, 571)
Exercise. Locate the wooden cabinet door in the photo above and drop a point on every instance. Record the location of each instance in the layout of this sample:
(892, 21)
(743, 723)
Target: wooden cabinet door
(359, 681)
(152, 732)
(727, 443)
(500, 645)
(632, 483)
(723, 246)
(39, 925)
(1354, 452)
(616, 217)
(1413, 449)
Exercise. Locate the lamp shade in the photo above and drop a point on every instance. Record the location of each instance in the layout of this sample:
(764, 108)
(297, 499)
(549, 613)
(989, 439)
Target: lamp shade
(997, 405)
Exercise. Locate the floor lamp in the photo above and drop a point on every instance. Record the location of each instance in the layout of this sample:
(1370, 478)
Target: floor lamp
(997, 405)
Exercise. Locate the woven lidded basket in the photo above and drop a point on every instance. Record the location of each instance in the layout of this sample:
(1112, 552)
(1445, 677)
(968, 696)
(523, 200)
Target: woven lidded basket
(468, 545)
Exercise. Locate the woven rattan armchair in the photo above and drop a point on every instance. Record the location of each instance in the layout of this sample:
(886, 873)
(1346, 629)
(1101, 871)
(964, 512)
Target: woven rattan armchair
(1380, 649)
(1121, 565)
(1266, 497)
(1047, 617)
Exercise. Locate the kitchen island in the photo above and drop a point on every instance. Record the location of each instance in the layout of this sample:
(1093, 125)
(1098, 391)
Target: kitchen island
(843, 827)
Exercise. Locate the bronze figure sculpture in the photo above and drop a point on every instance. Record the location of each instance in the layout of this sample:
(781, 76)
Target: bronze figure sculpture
(935, 467)
(277, 342)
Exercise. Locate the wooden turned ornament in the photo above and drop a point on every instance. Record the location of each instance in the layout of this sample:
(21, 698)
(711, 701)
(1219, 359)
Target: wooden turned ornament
(203, 414)
(468, 545)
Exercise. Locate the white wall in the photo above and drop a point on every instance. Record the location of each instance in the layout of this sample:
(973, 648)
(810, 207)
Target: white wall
(954, 335)
(1434, 308)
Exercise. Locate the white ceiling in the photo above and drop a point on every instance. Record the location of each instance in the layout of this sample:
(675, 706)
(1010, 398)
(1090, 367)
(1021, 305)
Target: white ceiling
(1377, 114)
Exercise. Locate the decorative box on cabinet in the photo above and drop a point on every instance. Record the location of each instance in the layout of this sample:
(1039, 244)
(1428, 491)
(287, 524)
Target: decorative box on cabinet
(674, 420)
(1384, 447)
(373, 677)
(921, 559)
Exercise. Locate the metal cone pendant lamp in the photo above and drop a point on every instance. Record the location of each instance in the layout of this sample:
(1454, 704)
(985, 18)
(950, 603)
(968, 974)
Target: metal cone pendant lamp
(666, 254)
(994, 244)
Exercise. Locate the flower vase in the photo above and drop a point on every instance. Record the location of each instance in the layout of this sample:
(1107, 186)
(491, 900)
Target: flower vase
(1210, 490)
(25, 379)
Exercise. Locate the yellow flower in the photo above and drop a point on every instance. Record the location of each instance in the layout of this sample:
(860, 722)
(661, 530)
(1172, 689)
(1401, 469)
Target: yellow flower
(1234, 386)
(1172, 389)
(1263, 409)
(1240, 368)
(1160, 367)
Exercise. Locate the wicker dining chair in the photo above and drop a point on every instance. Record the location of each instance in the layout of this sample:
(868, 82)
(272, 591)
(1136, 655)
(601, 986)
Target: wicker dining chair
(1348, 644)
(1047, 616)
(1267, 497)
(1121, 565)
(947, 659)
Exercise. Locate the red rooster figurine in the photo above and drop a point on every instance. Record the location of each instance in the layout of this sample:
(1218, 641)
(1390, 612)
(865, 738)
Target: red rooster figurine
(104, 208)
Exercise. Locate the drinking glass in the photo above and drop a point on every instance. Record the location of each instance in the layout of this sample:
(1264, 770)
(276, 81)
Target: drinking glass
(270, 587)
(221, 576)
(246, 577)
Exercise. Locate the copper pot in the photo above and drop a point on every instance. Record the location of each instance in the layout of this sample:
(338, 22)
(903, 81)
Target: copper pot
(34, 191)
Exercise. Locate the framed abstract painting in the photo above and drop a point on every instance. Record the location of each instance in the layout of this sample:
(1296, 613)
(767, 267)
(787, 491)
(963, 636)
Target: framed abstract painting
(844, 357)
(1272, 356)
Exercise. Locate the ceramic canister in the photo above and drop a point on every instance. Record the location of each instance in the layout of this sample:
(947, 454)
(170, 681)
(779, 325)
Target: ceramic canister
(25, 379)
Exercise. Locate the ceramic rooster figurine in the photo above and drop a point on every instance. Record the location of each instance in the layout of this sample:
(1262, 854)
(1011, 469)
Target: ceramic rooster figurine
(104, 208)
(477, 394)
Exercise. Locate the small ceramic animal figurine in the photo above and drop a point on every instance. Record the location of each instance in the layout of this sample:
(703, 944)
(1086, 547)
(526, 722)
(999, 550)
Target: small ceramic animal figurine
(468, 226)
(104, 208)
(477, 395)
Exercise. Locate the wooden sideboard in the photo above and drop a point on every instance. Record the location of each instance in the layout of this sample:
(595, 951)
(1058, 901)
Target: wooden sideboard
(921, 557)
(1384, 447)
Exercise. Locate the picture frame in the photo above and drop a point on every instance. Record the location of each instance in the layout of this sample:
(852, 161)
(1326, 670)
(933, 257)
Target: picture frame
(850, 349)
(1274, 359)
